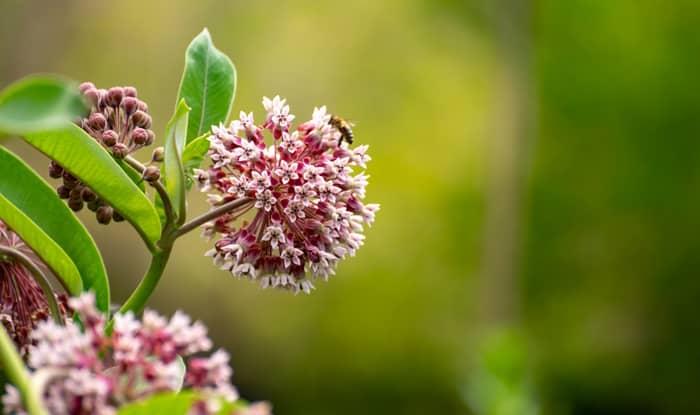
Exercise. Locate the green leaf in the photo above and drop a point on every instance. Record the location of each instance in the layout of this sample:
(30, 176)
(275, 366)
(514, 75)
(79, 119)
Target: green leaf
(208, 85)
(32, 195)
(133, 174)
(166, 403)
(85, 159)
(174, 173)
(39, 103)
(193, 156)
(46, 248)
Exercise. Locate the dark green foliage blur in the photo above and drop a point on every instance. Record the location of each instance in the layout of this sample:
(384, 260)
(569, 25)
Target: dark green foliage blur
(604, 291)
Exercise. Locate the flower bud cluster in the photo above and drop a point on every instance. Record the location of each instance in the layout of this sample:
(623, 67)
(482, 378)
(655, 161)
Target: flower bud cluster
(301, 192)
(87, 371)
(120, 122)
(22, 302)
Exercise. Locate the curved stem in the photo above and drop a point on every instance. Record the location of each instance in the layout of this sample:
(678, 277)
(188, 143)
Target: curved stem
(17, 374)
(212, 214)
(158, 185)
(39, 277)
(148, 283)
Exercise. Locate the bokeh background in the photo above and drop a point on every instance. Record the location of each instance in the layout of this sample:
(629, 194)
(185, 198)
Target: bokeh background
(538, 167)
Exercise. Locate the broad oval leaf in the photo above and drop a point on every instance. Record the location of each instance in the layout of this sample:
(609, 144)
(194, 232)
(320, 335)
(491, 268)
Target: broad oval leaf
(39, 103)
(208, 85)
(85, 159)
(165, 403)
(193, 155)
(133, 174)
(32, 195)
(174, 176)
(45, 248)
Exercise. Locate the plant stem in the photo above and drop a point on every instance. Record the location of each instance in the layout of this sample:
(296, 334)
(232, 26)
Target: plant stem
(148, 283)
(39, 277)
(158, 185)
(212, 214)
(17, 374)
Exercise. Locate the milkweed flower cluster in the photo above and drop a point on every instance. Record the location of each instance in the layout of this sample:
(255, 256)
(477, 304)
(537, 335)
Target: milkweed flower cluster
(303, 192)
(120, 122)
(22, 302)
(89, 372)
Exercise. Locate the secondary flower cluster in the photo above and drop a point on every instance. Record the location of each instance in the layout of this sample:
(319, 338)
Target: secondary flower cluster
(120, 122)
(302, 191)
(22, 303)
(89, 372)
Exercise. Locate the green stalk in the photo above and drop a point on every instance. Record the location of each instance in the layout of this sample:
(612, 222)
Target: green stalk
(148, 283)
(17, 374)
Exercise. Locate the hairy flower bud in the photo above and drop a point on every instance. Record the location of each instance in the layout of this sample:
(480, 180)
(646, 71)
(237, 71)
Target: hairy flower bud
(63, 191)
(141, 119)
(130, 105)
(109, 138)
(88, 195)
(114, 96)
(151, 174)
(158, 154)
(55, 171)
(97, 121)
(130, 91)
(120, 150)
(139, 135)
(86, 86)
(104, 214)
(75, 204)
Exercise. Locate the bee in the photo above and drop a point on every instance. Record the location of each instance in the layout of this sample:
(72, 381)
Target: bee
(344, 126)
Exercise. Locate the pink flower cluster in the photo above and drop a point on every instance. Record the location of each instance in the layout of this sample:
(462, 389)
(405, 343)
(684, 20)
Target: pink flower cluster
(302, 193)
(89, 372)
(22, 302)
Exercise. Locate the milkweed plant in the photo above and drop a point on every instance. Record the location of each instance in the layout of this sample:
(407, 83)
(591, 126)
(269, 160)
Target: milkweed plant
(286, 207)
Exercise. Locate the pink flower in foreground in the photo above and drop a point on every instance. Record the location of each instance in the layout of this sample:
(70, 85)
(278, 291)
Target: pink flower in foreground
(301, 191)
(85, 371)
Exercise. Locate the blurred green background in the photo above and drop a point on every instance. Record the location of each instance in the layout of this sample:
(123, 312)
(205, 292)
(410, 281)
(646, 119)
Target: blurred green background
(538, 168)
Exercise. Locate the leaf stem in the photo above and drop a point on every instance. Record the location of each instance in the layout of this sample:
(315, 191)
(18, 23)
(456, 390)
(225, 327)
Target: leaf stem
(158, 185)
(212, 214)
(39, 277)
(148, 283)
(17, 374)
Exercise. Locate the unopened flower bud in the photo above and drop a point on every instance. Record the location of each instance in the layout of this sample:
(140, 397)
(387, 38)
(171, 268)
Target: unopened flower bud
(158, 154)
(130, 105)
(75, 204)
(69, 180)
(151, 137)
(130, 91)
(93, 96)
(97, 121)
(85, 86)
(120, 150)
(151, 174)
(139, 135)
(114, 96)
(94, 205)
(63, 191)
(77, 192)
(104, 214)
(109, 138)
(55, 171)
(117, 217)
(143, 106)
(88, 195)
(141, 119)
